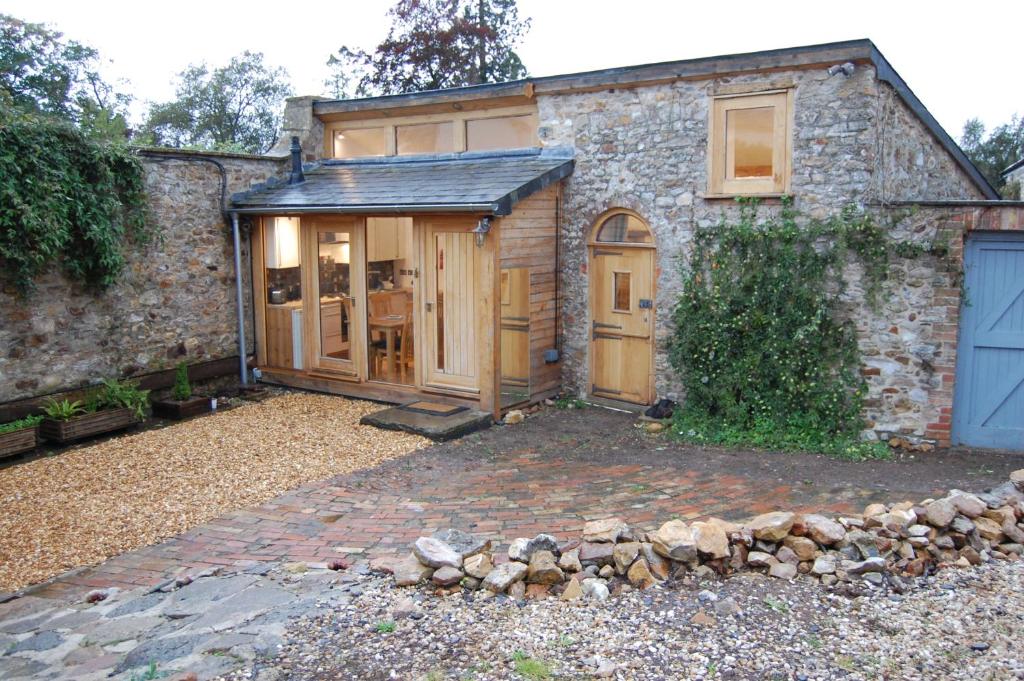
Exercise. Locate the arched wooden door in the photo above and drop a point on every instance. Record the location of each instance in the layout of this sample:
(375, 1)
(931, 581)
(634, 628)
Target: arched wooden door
(621, 268)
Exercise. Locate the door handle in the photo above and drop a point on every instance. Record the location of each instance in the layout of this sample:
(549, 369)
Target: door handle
(430, 307)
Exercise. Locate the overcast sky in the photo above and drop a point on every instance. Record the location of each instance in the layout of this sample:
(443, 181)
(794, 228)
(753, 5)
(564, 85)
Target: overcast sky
(963, 59)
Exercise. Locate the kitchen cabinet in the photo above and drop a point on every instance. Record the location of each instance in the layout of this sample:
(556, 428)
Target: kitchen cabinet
(382, 239)
(388, 239)
(284, 335)
(331, 337)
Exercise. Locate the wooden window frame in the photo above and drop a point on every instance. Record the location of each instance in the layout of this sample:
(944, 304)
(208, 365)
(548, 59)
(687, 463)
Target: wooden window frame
(615, 292)
(721, 186)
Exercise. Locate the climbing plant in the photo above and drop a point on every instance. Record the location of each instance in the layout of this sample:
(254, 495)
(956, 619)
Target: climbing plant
(66, 198)
(764, 356)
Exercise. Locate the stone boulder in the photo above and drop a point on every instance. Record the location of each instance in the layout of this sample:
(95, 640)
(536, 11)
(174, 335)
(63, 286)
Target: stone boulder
(605, 530)
(772, 527)
(782, 570)
(596, 553)
(595, 589)
(543, 570)
(1017, 478)
(478, 566)
(761, 559)
(640, 576)
(409, 571)
(517, 550)
(463, 542)
(940, 513)
(711, 539)
(989, 529)
(802, 547)
(503, 576)
(824, 531)
(542, 542)
(863, 566)
(570, 561)
(824, 565)
(658, 566)
(436, 553)
(447, 576)
(967, 504)
(624, 554)
(675, 540)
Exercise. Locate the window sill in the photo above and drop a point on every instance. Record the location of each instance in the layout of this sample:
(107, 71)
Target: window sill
(765, 195)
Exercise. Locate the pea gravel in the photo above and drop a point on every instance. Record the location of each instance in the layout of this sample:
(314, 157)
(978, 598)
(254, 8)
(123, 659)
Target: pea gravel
(960, 624)
(87, 504)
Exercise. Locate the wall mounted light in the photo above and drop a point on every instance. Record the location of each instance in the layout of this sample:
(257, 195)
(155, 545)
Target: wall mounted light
(481, 230)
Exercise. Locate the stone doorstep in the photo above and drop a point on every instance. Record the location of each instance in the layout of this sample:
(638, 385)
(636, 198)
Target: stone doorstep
(436, 427)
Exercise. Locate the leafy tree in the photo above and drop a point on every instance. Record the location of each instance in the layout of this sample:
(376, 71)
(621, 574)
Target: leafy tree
(42, 72)
(996, 152)
(434, 44)
(231, 108)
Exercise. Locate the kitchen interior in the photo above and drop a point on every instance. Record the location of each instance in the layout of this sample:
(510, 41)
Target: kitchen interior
(389, 285)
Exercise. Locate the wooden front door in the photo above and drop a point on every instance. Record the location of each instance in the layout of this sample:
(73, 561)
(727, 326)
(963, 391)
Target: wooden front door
(334, 276)
(622, 315)
(450, 269)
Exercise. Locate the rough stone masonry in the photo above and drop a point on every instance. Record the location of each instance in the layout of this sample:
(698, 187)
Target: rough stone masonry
(854, 142)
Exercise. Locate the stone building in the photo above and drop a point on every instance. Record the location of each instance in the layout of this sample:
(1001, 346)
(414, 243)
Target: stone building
(568, 202)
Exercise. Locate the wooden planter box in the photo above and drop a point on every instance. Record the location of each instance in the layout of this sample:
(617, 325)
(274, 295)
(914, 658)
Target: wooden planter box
(18, 441)
(98, 422)
(181, 409)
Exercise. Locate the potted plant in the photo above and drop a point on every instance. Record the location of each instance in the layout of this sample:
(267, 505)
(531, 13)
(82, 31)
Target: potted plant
(181, 404)
(19, 436)
(114, 406)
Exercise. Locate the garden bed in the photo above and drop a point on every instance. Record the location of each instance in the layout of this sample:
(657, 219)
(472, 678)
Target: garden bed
(18, 441)
(63, 431)
(141, 488)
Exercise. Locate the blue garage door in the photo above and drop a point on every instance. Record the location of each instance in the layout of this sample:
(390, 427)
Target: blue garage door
(988, 409)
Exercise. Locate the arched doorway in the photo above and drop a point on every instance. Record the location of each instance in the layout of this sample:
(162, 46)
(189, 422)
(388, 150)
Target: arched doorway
(621, 267)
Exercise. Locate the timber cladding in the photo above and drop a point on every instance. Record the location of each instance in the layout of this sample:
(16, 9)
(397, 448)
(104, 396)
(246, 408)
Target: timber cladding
(528, 239)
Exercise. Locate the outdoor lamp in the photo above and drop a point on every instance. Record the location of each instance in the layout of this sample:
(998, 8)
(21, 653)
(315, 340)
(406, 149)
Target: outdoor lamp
(481, 229)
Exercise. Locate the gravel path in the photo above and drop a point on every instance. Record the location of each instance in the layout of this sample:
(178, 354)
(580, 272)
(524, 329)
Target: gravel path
(960, 624)
(87, 504)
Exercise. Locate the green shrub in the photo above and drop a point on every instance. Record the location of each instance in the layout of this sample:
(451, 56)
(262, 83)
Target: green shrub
(27, 422)
(120, 394)
(64, 410)
(182, 389)
(66, 198)
(764, 357)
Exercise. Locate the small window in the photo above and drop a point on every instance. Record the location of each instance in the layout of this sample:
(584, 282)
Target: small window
(624, 228)
(620, 284)
(506, 132)
(426, 138)
(360, 142)
(749, 144)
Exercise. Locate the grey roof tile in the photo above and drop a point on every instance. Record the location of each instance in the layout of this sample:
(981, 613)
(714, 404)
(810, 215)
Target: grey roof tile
(455, 182)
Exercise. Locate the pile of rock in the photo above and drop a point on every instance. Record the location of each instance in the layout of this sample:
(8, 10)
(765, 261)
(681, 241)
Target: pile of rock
(884, 543)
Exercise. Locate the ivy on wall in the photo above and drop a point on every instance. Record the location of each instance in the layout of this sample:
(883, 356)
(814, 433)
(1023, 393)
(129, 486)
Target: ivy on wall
(66, 198)
(764, 357)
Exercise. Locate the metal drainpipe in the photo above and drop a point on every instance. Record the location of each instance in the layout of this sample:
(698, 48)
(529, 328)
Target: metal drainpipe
(242, 365)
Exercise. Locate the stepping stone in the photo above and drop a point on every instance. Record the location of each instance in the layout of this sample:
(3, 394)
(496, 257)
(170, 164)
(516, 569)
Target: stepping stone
(437, 427)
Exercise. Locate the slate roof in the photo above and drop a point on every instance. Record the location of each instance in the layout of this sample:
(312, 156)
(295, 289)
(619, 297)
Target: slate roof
(477, 182)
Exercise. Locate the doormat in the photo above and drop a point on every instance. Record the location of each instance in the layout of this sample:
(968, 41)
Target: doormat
(432, 408)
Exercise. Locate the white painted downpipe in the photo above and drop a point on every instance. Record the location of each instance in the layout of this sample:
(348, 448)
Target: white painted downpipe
(243, 369)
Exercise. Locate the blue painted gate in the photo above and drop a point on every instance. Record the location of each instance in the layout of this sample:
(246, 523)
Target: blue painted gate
(988, 404)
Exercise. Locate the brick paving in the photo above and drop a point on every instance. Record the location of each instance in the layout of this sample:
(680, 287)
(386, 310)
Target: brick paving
(550, 474)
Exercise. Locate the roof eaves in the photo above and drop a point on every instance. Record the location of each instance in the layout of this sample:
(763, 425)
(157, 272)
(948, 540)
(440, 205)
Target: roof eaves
(1013, 166)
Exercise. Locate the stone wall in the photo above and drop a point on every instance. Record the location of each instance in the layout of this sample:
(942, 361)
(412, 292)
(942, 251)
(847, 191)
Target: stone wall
(853, 142)
(175, 300)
